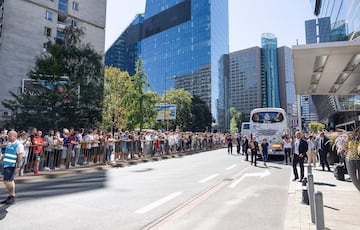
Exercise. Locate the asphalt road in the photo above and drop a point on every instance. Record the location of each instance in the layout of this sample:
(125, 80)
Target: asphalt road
(209, 190)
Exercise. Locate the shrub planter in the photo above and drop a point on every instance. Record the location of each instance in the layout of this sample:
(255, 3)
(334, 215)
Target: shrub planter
(353, 168)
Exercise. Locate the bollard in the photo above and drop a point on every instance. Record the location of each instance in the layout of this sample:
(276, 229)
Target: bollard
(311, 197)
(305, 197)
(319, 211)
(309, 170)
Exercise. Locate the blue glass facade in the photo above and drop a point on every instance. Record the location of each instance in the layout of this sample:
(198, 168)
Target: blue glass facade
(324, 29)
(311, 31)
(270, 80)
(288, 98)
(181, 43)
(126, 50)
(344, 20)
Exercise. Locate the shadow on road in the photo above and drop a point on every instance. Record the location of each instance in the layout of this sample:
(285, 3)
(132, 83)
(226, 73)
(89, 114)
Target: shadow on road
(58, 187)
(3, 211)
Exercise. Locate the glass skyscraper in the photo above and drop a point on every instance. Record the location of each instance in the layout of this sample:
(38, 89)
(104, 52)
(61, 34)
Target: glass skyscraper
(286, 83)
(124, 52)
(181, 43)
(270, 79)
(244, 81)
(343, 19)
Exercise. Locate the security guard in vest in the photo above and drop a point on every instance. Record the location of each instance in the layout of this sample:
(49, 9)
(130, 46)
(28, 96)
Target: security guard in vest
(11, 161)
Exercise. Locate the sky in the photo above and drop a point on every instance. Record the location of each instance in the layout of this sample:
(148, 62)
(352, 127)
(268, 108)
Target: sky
(248, 19)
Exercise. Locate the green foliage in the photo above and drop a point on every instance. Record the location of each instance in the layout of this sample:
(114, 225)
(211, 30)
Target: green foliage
(235, 120)
(183, 100)
(140, 104)
(316, 126)
(67, 87)
(116, 86)
(201, 117)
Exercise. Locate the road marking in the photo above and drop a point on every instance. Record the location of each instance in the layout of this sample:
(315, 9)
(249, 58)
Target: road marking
(231, 167)
(177, 213)
(208, 178)
(158, 203)
(292, 185)
(261, 175)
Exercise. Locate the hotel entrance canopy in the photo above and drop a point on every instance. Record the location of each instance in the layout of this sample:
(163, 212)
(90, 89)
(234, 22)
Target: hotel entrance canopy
(327, 68)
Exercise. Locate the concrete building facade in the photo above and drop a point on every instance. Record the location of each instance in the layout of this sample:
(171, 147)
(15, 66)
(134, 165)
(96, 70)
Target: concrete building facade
(26, 27)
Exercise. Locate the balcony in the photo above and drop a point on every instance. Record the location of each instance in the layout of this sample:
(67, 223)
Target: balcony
(62, 16)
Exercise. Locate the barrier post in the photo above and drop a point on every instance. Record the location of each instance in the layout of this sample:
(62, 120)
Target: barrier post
(319, 211)
(311, 197)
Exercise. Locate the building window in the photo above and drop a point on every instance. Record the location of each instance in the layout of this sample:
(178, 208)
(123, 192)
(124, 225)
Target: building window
(63, 5)
(48, 15)
(47, 31)
(75, 6)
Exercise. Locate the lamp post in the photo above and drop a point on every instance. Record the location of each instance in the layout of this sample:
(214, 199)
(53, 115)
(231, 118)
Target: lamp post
(299, 112)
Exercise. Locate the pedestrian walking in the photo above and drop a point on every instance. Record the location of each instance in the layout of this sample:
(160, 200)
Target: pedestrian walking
(264, 150)
(254, 148)
(229, 141)
(300, 147)
(238, 143)
(245, 147)
(324, 150)
(312, 153)
(11, 162)
(287, 142)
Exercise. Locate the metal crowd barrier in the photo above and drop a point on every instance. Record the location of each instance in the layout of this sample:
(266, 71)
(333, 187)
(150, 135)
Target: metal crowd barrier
(62, 157)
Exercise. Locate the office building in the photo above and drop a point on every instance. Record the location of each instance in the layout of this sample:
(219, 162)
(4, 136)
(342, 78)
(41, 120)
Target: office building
(244, 85)
(181, 43)
(244, 81)
(329, 71)
(27, 25)
(125, 51)
(288, 100)
(270, 76)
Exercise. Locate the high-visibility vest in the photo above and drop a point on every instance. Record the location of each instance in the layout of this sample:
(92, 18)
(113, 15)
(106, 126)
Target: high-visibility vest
(10, 156)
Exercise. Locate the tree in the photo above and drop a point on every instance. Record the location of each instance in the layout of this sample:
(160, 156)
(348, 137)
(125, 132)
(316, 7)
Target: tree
(235, 120)
(67, 86)
(201, 117)
(141, 104)
(116, 86)
(316, 126)
(182, 99)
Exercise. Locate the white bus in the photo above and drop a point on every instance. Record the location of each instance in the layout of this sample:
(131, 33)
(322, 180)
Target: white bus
(245, 129)
(272, 124)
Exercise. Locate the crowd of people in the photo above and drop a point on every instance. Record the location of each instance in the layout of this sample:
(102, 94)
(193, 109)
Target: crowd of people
(75, 147)
(312, 147)
(31, 152)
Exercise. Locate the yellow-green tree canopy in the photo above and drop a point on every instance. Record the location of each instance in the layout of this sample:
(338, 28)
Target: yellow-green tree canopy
(116, 86)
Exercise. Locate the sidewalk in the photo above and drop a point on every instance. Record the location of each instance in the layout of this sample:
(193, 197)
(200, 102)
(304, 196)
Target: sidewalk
(341, 203)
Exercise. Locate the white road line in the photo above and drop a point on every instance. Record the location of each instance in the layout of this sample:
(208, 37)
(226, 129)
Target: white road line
(208, 178)
(260, 174)
(231, 167)
(158, 203)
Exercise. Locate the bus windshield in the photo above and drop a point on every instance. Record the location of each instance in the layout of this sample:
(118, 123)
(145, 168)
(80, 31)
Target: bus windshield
(267, 117)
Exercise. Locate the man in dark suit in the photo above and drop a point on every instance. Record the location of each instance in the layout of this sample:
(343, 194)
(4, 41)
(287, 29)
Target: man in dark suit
(324, 150)
(300, 148)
